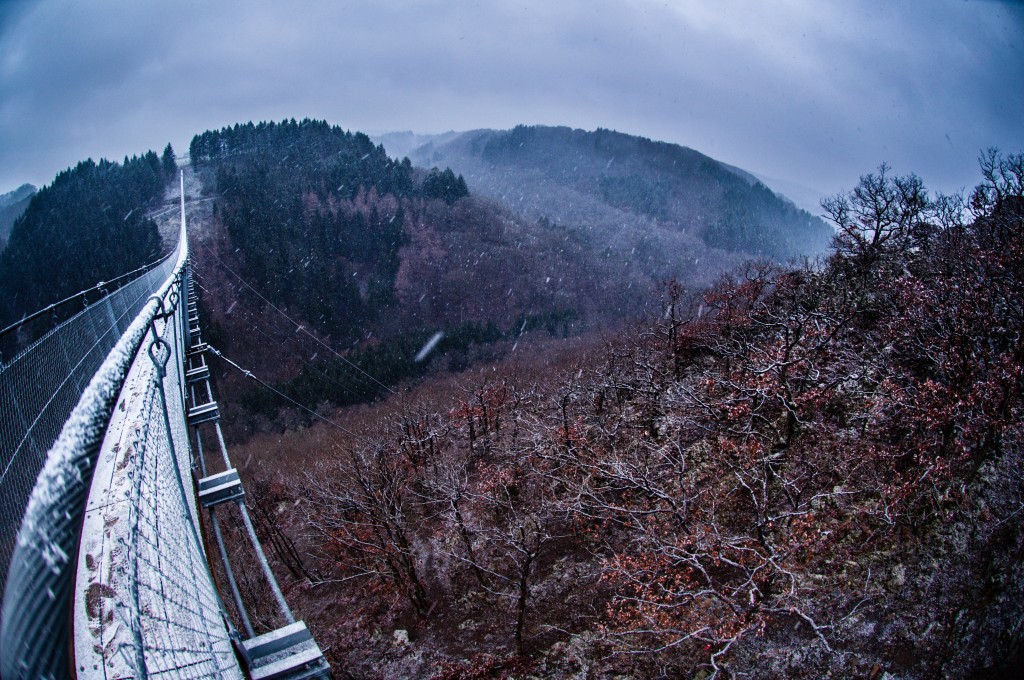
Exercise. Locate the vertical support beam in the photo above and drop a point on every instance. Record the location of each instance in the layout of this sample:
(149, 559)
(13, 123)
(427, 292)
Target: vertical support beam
(278, 595)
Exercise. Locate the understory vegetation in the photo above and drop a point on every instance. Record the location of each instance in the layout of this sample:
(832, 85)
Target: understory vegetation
(799, 472)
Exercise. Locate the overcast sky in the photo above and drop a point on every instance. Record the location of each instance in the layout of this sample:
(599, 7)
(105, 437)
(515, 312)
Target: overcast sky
(812, 92)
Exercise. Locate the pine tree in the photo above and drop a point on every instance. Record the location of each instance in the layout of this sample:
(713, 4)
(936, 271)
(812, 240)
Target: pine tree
(167, 161)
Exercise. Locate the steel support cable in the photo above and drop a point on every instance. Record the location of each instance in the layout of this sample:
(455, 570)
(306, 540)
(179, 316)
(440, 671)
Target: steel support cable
(102, 285)
(220, 437)
(264, 564)
(363, 376)
(298, 326)
(250, 374)
(247, 521)
(345, 388)
(222, 549)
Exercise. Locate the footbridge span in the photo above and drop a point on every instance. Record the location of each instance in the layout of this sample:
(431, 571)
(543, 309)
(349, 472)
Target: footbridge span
(106, 495)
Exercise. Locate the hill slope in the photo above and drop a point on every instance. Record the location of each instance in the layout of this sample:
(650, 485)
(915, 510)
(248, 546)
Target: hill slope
(618, 184)
(803, 473)
(12, 205)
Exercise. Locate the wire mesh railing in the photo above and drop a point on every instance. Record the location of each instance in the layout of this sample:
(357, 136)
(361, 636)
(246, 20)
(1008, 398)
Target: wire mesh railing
(145, 601)
(31, 327)
(148, 589)
(41, 385)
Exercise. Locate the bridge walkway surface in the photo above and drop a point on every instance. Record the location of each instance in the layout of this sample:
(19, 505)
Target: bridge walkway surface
(109, 576)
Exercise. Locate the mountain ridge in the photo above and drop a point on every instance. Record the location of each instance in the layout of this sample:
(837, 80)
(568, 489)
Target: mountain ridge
(608, 180)
(422, 149)
(12, 205)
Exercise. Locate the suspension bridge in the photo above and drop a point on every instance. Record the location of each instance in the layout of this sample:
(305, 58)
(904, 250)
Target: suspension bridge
(112, 514)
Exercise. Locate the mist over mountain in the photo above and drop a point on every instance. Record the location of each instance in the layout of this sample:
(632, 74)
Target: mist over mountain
(405, 143)
(17, 195)
(620, 187)
(12, 205)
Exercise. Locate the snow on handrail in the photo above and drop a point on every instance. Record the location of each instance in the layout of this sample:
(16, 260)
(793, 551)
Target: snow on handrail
(34, 620)
(42, 384)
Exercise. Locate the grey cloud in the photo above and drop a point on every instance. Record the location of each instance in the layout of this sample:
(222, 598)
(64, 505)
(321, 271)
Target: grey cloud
(812, 92)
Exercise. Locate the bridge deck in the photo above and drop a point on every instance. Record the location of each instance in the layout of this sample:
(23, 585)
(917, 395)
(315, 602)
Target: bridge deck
(103, 568)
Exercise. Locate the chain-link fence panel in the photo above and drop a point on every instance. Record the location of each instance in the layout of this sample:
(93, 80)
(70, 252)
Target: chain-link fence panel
(145, 602)
(155, 586)
(41, 385)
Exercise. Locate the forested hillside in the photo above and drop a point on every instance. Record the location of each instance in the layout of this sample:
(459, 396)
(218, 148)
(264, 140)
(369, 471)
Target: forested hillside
(618, 184)
(280, 189)
(376, 256)
(88, 226)
(798, 473)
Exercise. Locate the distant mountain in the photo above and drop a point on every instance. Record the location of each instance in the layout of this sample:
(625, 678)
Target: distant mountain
(750, 178)
(87, 226)
(802, 196)
(683, 203)
(402, 144)
(19, 194)
(799, 195)
(12, 205)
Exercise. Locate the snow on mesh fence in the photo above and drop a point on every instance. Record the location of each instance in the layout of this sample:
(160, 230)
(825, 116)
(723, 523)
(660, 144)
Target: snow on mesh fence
(148, 588)
(145, 603)
(40, 386)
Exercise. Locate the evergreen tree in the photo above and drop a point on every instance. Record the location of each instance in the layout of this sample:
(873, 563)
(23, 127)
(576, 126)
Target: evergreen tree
(167, 161)
(86, 227)
(444, 185)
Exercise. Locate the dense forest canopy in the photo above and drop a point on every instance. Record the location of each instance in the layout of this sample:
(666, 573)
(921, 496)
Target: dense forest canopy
(88, 226)
(318, 214)
(288, 201)
(328, 160)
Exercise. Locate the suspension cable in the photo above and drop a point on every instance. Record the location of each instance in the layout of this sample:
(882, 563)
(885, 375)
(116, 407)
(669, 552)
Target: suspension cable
(298, 326)
(315, 369)
(250, 374)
